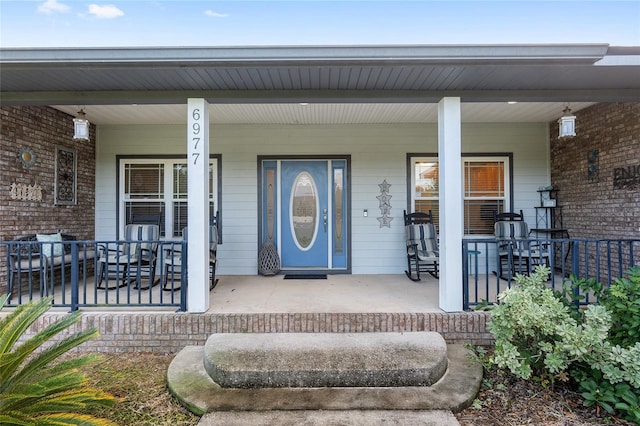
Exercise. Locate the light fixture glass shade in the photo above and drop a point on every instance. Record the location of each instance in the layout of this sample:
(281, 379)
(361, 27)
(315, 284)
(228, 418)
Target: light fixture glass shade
(81, 127)
(567, 124)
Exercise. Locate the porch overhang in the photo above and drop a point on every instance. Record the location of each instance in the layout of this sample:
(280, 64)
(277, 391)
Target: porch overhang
(122, 77)
(474, 73)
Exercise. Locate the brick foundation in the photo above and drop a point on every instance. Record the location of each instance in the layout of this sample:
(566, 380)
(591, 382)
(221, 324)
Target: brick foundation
(170, 332)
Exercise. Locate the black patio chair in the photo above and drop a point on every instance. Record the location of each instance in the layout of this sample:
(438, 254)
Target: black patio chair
(417, 218)
(132, 259)
(174, 257)
(516, 252)
(422, 245)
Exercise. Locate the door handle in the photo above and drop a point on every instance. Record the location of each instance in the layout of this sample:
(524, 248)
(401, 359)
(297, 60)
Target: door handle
(324, 219)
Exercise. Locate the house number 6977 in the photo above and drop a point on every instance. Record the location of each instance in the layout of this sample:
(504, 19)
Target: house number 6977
(195, 131)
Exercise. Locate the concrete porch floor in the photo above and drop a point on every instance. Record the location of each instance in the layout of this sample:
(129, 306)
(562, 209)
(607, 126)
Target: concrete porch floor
(336, 294)
(251, 294)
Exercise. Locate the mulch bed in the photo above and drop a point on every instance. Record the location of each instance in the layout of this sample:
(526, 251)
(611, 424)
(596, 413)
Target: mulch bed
(506, 400)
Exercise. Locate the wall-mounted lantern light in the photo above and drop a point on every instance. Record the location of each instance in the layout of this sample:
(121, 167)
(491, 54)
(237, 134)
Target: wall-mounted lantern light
(81, 126)
(567, 123)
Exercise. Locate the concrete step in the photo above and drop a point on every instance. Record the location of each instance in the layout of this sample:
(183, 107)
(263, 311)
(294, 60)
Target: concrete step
(323, 418)
(304, 360)
(192, 385)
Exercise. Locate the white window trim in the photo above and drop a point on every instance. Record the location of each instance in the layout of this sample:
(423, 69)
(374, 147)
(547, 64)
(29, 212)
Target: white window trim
(414, 161)
(168, 199)
(465, 158)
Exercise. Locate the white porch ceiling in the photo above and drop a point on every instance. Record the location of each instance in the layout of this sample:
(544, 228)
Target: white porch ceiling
(323, 113)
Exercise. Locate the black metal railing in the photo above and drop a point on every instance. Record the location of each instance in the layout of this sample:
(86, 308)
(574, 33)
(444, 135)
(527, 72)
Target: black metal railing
(490, 265)
(79, 274)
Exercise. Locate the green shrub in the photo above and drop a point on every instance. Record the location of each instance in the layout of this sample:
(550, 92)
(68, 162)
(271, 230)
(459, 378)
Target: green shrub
(620, 365)
(35, 390)
(598, 392)
(622, 300)
(573, 294)
(535, 333)
(540, 333)
(601, 393)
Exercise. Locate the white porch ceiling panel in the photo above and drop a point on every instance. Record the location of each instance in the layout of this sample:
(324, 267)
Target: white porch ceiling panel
(324, 113)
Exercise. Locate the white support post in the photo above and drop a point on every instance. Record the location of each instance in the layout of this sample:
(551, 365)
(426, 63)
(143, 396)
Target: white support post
(198, 196)
(451, 225)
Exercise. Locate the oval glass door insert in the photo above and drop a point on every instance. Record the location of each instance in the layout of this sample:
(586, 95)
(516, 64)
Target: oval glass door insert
(304, 211)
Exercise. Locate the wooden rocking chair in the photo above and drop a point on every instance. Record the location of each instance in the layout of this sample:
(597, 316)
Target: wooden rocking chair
(422, 245)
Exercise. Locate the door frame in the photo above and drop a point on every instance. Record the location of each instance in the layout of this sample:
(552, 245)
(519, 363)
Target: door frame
(261, 231)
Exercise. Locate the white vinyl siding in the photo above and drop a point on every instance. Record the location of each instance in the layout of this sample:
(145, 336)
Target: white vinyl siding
(378, 152)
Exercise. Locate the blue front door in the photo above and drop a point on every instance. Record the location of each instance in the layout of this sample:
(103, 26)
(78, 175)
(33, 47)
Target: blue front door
(305, 214)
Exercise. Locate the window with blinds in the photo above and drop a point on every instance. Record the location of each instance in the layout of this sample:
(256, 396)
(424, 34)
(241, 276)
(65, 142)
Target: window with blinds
(157, 188)
(144, 197)
(426, 187)
(180, 210)
(485, 191)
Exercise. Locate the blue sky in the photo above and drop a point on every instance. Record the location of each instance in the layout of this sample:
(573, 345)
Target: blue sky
(76, 23)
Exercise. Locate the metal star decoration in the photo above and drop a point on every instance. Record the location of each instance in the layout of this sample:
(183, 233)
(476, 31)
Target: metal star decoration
(385, 209)
(385, 221)
(384, 199)
(384, 186)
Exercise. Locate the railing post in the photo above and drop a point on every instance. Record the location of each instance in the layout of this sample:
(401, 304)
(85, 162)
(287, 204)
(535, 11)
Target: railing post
(74, 276)
(465, 275)
(183, 276)
(575, 258)
(9, 247)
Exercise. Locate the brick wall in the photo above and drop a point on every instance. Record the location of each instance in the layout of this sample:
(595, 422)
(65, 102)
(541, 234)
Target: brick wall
(592, 206)
(42, 129)
(170, 332)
